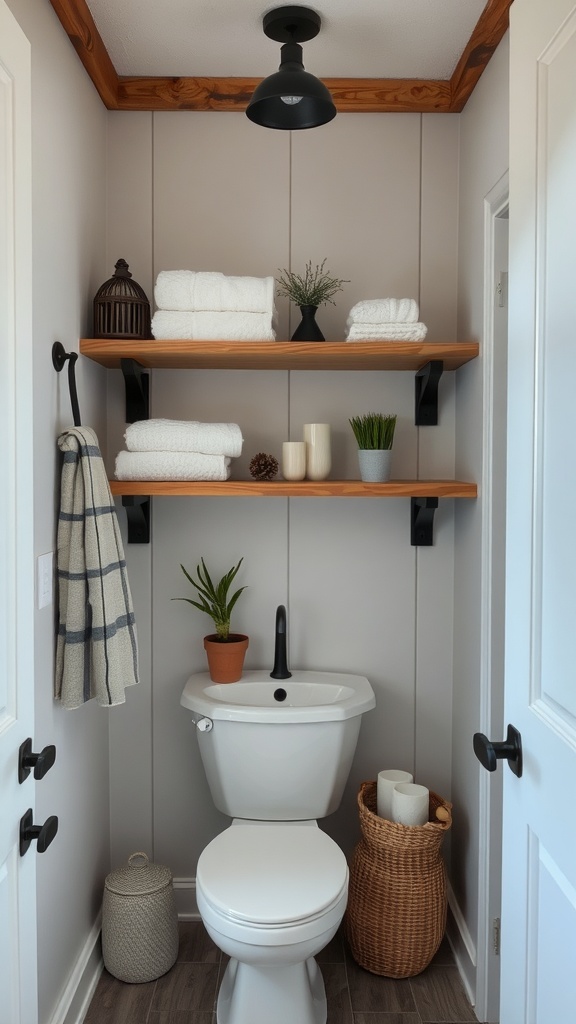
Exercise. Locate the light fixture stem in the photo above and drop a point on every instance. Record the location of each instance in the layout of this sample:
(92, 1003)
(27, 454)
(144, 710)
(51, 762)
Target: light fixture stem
(291, 57)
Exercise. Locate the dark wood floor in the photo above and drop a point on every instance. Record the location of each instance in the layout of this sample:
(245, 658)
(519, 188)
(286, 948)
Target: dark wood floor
(187, 994)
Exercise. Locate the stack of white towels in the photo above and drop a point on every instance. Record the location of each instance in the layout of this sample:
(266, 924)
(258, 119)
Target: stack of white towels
(178, 450)
(206, 306)
(385, 320)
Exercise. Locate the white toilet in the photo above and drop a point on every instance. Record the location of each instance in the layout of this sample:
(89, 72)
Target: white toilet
(272, 888)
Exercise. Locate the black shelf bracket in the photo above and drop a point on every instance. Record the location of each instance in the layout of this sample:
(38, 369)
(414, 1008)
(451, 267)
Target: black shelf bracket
(422, 521)
(138, 516)
(137, 391)
(426, 393)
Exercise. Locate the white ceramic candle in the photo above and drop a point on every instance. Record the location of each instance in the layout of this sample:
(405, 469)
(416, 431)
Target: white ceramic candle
(384, 787)
(318, 450)
(410, 804)
(294, 460)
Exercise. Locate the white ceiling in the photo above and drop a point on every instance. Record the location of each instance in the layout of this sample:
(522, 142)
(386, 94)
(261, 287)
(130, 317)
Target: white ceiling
(223, 38)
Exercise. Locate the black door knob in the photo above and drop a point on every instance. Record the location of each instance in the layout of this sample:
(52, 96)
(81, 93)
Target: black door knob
(488, 752)
(44, 834)
(28, 760)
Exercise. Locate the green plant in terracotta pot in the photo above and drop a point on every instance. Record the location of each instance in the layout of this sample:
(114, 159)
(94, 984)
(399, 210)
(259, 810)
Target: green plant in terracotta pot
(309, 291)
(225, 650)
(374, 433)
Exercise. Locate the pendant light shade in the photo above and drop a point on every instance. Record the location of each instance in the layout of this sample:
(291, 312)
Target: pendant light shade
(291, 98)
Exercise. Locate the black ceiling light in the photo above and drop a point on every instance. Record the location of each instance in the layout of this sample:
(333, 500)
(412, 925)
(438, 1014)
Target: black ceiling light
(291, 98)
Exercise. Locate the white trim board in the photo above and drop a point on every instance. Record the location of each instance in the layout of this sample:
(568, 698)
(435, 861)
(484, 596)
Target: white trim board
(73, 1004)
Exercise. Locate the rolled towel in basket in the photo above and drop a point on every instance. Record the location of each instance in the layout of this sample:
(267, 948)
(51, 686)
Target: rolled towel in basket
(171, 466)
(382, 311)
(201, 290)
(184, 436)
(205, 326)
(386, 332)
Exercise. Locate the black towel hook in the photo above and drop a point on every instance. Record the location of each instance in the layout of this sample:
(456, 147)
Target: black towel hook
(59, 357)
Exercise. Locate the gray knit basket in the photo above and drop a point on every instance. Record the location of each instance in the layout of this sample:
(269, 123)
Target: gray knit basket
(139, 921)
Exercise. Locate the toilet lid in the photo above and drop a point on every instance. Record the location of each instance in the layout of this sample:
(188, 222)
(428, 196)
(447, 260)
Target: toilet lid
(271, 874)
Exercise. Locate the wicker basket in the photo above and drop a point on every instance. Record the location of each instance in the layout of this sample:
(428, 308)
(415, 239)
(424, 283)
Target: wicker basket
(396, 912)
(139, 921)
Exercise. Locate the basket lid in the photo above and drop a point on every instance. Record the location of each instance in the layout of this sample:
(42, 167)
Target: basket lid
(139, 878)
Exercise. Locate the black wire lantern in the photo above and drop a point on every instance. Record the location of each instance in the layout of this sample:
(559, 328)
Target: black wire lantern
(121, 307)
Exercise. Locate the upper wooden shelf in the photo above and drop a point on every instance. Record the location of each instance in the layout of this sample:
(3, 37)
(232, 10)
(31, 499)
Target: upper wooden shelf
(278, 355)
(300, 489)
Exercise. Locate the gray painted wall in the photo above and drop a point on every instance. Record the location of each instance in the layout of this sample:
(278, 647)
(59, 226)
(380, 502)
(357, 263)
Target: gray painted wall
(376, 195)
(69, 195)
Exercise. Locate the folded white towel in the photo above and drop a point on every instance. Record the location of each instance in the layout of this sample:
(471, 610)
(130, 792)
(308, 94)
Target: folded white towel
(382, 311)
(191, 290)
(204, 326)
(184, 436)
(171, 466)
(387, 332)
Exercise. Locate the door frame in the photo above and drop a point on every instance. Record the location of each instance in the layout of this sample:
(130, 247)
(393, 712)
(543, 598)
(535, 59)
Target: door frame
(492, 593)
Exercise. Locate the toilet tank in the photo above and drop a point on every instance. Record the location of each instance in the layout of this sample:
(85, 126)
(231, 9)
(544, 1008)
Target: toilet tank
(278, 751)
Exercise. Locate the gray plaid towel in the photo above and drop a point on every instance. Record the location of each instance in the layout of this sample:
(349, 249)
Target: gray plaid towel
(96, 652)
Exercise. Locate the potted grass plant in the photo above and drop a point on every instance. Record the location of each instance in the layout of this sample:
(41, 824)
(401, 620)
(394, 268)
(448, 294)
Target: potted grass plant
(374, 433)
(308, 291)
(225, 650)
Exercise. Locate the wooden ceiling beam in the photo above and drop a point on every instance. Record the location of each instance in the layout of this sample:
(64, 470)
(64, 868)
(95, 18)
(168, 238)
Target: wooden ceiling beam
(351, 95)
(490, 28)
(79, 25)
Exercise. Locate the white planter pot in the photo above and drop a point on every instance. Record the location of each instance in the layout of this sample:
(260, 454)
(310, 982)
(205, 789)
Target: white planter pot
(374, 464)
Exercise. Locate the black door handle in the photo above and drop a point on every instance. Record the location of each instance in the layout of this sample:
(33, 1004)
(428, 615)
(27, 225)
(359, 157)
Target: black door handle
(44, 834)
(28, 760)
(488, 753)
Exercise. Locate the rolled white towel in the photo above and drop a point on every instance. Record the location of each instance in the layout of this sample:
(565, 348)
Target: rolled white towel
(204, 326)
(184, 436)
(381, 311)
(387, 332)
(202, 290)
(171, 466)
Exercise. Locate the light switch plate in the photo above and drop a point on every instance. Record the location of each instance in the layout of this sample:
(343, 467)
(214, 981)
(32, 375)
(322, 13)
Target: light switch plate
(44, 579)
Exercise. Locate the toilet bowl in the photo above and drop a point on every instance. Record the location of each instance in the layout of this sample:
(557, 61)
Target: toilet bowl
(271, 896)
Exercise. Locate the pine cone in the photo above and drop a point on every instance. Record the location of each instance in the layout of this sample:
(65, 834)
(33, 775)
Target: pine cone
(263, 467)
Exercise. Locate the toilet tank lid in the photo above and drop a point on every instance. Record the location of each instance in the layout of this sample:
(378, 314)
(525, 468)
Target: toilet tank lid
(272, 874)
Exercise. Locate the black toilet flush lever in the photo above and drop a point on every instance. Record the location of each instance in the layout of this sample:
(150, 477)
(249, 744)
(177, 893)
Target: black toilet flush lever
(489, 752)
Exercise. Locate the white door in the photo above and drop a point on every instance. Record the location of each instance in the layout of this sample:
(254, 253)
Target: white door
(18, 1002)
(538, 982)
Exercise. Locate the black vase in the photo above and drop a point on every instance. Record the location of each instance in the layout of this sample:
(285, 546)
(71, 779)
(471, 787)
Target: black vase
(308, 329)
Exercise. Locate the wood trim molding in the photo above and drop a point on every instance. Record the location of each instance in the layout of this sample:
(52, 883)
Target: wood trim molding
(351, 95)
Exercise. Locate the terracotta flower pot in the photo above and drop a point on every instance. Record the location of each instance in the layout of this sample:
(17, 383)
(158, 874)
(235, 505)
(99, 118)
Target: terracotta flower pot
(226, 657)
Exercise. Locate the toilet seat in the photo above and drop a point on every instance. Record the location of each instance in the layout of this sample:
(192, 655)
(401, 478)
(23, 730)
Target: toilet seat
(271, 877)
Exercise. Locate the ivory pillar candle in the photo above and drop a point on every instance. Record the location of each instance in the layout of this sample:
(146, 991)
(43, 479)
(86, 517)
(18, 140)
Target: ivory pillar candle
(293, 460)
(410, 804)
(318, 450)
(384, 786)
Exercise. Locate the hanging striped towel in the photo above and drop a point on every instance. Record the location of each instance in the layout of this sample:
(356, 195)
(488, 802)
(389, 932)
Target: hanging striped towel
(96, 650)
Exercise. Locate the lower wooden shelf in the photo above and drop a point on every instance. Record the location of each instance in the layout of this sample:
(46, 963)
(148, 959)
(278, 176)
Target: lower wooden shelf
(300, 489)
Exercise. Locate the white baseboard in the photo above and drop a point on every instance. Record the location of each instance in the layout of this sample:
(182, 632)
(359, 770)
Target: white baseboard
(462, 945)
(75, 1000)
(185, 896)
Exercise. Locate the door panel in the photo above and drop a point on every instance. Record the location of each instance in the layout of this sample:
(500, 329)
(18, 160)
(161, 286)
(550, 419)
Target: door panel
(538, 984)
